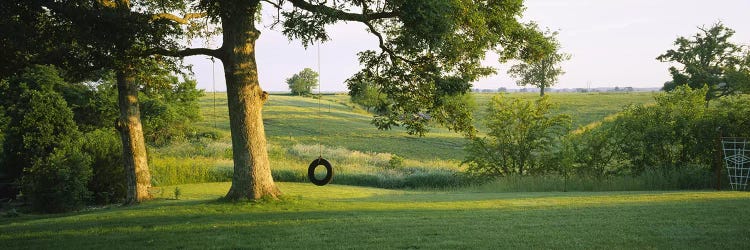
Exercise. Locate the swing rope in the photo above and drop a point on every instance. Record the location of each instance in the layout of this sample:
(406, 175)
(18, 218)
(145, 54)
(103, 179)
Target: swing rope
(213, 89)
(320, 113)
(214, 116)
(320, 161)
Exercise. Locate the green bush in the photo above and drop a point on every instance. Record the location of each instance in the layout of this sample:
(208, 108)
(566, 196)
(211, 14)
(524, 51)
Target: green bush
(522, 135)
(108, 181)
(57, 183)
(42, 150)
(396, 162)
(34, 127)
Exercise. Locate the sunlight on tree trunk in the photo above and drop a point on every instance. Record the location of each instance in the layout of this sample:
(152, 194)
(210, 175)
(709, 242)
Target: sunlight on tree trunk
(252, 170)
(133, 144)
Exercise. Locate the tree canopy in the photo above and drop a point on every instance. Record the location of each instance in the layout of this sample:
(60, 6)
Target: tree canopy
(303, 82)
(429, 53)
(709, 58)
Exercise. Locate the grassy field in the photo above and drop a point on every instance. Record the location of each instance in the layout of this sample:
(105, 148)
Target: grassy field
(584, 108)
(337, 123)
(300, 129)
(344, 217)
(339, 216)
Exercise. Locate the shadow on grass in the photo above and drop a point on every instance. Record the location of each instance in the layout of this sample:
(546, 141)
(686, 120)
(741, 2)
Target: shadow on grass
(211, 224)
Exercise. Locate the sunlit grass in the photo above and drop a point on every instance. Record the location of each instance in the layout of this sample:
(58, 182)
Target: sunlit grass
(356, 217)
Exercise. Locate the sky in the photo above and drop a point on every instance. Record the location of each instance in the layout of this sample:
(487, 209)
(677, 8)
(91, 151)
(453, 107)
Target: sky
(613, 43)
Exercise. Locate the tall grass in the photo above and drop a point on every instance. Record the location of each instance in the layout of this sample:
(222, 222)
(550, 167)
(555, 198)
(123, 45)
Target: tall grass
(168, 170)
(353, 167)
(198, 162)
(689, 178)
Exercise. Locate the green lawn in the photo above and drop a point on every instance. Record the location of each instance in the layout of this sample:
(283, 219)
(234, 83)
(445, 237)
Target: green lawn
(353, 217)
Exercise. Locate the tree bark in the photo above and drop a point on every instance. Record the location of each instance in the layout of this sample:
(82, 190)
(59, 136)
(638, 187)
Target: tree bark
(129, 125)
(252, 178)
(541, 91)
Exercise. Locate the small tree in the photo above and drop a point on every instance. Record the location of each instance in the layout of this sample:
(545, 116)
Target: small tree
(521, 133)
(709, 58)
(542, 73)
(303, 82)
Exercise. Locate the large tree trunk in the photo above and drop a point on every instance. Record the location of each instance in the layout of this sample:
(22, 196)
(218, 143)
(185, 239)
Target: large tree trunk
(252, 171)
(133, 145)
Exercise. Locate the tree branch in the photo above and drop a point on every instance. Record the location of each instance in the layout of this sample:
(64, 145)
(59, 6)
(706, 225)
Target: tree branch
(275, 5)
(181, 20)
(381, 44)
(342, 15)
(185, 52)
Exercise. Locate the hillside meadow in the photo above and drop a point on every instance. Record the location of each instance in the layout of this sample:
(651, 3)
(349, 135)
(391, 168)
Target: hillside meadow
(299, 129)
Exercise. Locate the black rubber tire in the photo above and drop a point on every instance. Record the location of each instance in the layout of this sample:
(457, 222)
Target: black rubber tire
(311, 172)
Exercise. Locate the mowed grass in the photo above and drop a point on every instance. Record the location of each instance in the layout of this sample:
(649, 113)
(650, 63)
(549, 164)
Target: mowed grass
(344, 217)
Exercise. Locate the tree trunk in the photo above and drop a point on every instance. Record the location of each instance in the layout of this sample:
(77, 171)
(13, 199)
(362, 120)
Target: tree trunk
(252, 171)
(133, 144)
(541, 91)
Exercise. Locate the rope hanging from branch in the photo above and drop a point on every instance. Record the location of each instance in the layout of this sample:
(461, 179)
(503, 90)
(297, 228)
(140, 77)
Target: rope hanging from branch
(320, 161)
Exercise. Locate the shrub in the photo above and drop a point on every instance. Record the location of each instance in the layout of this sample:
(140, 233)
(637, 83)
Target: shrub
(108, 181)
(57, 183)
(677, 134)
(395, 162)
(521, 134)
(42, 150)
(34, 127)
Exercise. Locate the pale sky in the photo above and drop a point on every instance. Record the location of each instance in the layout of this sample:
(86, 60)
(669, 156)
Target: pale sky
(612, 42)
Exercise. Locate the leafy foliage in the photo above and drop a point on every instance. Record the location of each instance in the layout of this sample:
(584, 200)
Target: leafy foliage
(709, 58)
(678, 132)
(303, 82)
(58, 182)
(107, 183)
(366, 94)
(661, 135)
(169, 107)
(37, 118)
(42, 151)
(430, 50)
(522, 134)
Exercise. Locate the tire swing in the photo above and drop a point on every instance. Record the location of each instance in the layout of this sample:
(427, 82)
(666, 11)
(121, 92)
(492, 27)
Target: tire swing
(320, 161)
(311, 172)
